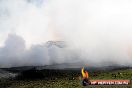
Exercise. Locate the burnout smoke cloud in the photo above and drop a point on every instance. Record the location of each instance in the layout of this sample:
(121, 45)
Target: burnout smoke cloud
(97, 32)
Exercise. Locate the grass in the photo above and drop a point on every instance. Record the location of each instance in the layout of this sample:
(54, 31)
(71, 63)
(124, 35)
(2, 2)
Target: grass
(69, 79)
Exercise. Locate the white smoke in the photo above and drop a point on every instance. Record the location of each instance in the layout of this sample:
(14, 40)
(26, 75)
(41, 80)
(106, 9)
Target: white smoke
(97, 32)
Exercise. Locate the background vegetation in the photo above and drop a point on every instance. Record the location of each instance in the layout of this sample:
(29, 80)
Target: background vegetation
(62, 78)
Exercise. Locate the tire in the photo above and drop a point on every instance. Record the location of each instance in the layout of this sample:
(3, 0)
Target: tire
(86, 82)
